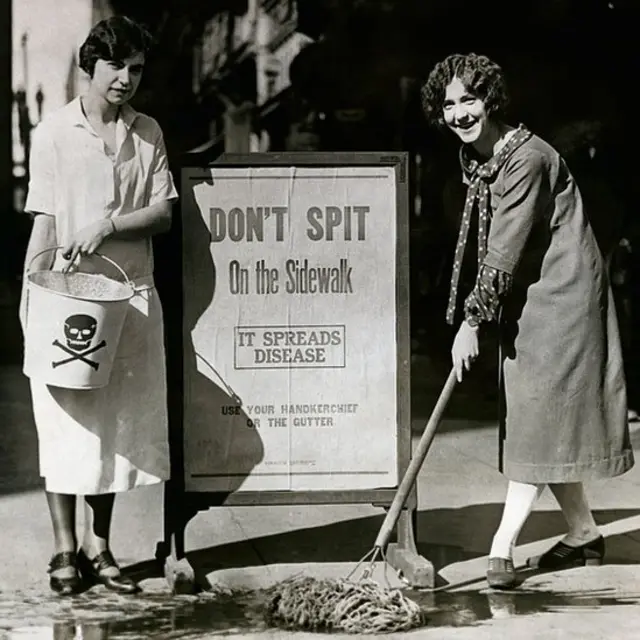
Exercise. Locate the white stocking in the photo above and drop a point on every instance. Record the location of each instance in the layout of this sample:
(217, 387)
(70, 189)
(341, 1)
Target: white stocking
(518, 504)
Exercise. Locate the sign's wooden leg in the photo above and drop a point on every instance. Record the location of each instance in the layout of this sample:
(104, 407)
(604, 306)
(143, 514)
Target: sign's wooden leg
(403, 555)
(178, 571)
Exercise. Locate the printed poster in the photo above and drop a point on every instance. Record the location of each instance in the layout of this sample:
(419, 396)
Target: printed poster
(290, 328)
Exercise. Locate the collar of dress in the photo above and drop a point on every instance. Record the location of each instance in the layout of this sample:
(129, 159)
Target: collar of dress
(77, 118)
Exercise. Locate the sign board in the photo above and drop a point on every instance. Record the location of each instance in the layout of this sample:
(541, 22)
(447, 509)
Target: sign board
(296, 345)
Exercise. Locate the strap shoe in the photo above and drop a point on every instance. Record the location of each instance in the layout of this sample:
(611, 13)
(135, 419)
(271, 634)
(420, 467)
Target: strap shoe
(501, 573)
(562, 556)
(93, 573)
(69, 585)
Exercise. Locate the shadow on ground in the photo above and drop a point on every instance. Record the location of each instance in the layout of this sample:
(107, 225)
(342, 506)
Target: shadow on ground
(100, 615)
(444, 537)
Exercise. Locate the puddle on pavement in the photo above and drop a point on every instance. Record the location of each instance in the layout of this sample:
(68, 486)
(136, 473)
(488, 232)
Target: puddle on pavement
(470, 607)
(203, 617)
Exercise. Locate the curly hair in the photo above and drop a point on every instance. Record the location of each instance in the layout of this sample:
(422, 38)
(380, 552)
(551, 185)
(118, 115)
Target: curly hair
(481, 76)
(113, 39)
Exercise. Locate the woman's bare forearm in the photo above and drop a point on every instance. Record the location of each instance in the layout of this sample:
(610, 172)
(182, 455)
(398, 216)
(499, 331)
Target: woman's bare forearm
(43, 236)
(142, 223)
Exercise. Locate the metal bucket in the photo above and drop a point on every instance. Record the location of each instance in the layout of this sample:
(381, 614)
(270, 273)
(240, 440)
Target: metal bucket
(73, 325)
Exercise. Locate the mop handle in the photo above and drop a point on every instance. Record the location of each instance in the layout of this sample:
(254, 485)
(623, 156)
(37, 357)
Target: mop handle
(415, 464)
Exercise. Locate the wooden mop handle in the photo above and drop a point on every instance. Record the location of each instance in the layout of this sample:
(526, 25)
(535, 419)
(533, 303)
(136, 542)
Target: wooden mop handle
(415, 464)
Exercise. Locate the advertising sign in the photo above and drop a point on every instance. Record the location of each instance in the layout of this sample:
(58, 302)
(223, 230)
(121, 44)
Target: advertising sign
(291, 364)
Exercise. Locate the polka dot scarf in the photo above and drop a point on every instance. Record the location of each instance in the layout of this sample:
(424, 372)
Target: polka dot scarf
(478, 177)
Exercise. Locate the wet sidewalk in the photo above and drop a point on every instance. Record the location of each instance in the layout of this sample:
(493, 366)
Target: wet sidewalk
(460, 500)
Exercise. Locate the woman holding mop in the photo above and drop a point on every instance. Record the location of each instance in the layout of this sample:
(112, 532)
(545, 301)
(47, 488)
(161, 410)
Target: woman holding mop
(542, 278)
(100, 182)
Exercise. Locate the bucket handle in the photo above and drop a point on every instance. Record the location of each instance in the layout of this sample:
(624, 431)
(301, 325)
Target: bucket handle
(100, 255)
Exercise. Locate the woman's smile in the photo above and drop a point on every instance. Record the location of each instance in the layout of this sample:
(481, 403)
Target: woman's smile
(465, 127)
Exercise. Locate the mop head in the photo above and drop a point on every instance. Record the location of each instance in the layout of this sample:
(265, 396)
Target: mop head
(340, 605)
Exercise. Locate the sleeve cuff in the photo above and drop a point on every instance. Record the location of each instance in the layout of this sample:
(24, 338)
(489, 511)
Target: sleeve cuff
(500, 262)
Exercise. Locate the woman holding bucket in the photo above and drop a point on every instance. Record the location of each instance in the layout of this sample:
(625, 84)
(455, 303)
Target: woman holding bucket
(100, 183)
(541, 276)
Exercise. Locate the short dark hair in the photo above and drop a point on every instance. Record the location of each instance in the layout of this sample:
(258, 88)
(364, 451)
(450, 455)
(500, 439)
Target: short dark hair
(113, 39)
(481, 76)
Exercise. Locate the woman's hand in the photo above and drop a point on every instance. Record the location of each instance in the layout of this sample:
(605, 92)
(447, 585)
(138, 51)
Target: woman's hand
(87, 240)
(465, 349)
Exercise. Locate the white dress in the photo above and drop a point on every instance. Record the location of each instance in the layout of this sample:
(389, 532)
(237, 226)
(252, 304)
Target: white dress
(114, 438)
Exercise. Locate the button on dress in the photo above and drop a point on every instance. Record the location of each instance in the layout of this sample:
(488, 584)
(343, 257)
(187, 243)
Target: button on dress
(115, 438)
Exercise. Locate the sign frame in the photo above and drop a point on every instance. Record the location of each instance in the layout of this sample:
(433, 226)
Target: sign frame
(182, 505)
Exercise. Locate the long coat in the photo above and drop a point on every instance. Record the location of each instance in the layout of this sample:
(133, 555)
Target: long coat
(564, 409)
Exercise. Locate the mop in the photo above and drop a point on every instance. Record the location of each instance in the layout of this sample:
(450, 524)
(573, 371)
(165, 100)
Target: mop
(361, 605)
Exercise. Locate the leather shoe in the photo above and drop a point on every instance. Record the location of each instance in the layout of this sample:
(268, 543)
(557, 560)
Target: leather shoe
(501, 573)
(66, 586)
(562, 556)
(92, 573)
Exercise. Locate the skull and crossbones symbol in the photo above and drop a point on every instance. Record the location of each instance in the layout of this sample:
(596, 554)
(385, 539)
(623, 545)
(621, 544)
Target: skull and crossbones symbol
(79, 332)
